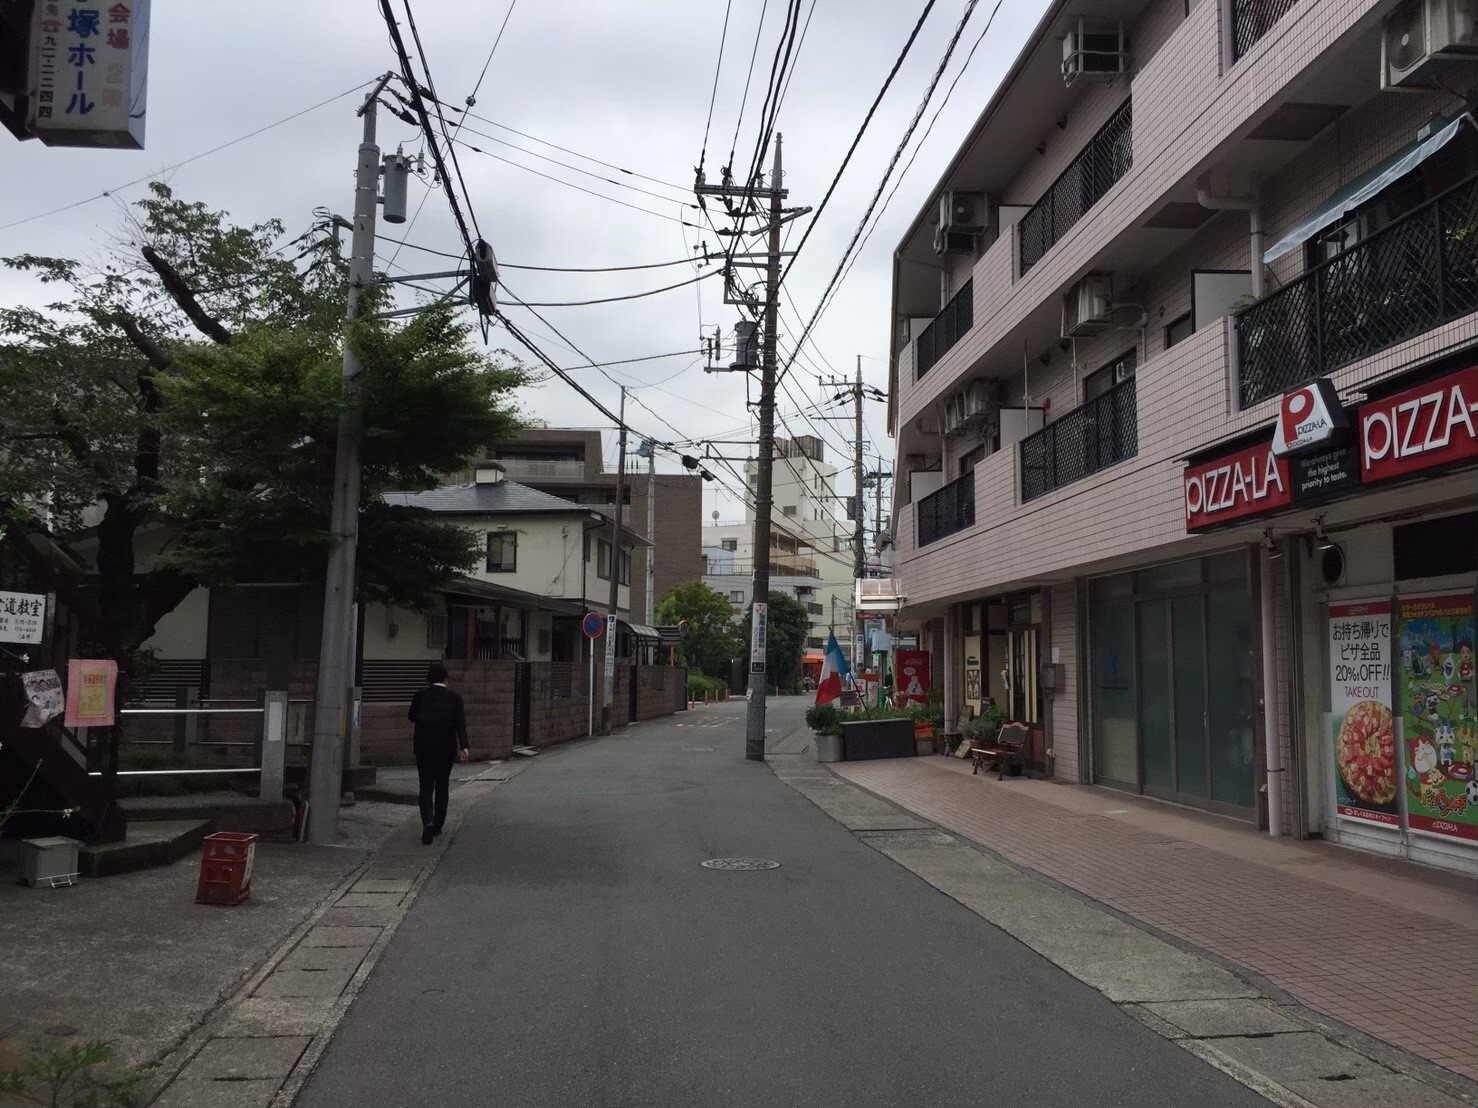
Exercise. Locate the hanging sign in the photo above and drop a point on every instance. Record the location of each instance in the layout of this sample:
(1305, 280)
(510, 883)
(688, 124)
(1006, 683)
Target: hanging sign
(757, 637)
(89, 72)
(913, 677)
(1437, 698)
(22, 617)
(1431, 425)
(1309, 417)
(1365, 760)
(1247, 483)
(91, 683)
(44, 697)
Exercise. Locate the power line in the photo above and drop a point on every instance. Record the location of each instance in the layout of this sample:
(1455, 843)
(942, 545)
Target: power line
(441, 116)
(472, 97)
(567, 150)
(614, 299)
(743, 100)
(556, 161)
(713, 94)
(106, 193)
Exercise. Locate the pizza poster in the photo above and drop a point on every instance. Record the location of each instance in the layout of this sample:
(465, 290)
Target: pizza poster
(1437, 704)
(1365, 777)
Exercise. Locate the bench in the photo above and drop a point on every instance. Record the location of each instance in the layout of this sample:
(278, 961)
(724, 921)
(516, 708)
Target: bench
(1008, 749)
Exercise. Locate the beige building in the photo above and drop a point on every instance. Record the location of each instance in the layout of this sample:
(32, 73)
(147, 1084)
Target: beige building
(1172, 222)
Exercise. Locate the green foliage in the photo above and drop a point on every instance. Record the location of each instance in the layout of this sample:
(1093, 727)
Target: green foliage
(192, 385)
(925, 713)
(984, 726)
(173, 784)
(712, 640)
(787, 626)
(73, 1076)
(698, 684)
(824, 719)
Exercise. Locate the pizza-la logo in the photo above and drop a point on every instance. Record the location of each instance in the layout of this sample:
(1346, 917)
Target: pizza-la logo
(1245, 483)
(1308, 417)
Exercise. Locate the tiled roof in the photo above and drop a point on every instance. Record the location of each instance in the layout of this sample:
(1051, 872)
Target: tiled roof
(498, 498)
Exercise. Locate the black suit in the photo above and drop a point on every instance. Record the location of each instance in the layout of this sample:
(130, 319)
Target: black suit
(441, 734)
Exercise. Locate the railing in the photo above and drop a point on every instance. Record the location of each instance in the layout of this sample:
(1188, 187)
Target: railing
(529, 467)
(1251, 19)
(1091, 437)
(272, 759)
(948, 327)
(781, 564)
(1107, 157)
(1413, 275)
(947, 510)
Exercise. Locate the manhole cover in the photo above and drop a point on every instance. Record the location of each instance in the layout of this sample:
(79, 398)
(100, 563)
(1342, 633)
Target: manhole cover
(740, 863)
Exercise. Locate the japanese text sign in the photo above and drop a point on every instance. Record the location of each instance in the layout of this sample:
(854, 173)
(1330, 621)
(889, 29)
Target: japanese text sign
(22, 617)
(91, 683)
(758, 637)
(1246, 483)
(1365, 759)
(89, 72)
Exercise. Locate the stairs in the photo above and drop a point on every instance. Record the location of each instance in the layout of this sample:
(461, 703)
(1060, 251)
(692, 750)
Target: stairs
(61, 768)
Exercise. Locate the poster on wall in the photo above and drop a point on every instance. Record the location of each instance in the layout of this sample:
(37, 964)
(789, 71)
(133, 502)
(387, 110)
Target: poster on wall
(1365, 762)
(1438, 706)
(913, 677)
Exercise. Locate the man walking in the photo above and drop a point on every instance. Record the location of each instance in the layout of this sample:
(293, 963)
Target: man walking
(441, 739)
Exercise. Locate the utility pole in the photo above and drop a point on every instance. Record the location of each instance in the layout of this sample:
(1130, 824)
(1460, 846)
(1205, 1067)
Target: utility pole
(337, 641)
(610, 667)
(651, 531)
(859, 539)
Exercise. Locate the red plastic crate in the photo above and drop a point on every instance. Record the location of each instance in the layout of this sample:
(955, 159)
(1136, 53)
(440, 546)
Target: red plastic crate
(225, 868)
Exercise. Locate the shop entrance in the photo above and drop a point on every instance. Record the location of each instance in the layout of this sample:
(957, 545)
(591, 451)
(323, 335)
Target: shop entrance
(1173, 682)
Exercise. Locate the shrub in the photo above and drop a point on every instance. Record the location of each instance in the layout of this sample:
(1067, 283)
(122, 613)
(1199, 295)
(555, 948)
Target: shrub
(824, 719)
(984, 726)
(698, 684)
(73, 1077)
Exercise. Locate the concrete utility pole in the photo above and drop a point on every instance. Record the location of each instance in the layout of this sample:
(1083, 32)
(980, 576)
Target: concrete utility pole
(652, 532)
(610, 667)
(859, 538)
(337, 642)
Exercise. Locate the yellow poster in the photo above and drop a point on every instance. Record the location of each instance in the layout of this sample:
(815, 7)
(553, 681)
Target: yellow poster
(90, 686)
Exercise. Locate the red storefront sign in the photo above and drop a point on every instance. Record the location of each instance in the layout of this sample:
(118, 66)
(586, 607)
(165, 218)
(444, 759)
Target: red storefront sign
(1431, 425)
(913, 677)
(1246, 483)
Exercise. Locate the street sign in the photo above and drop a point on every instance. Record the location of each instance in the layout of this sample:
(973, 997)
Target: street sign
(757, 641)
(593, 625)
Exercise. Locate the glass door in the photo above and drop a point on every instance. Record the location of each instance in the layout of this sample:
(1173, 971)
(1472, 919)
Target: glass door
(1173, 711)
(1156, 722)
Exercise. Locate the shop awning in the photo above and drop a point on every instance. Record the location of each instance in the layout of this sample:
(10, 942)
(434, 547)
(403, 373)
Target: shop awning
(813, 659)
(1363, 188)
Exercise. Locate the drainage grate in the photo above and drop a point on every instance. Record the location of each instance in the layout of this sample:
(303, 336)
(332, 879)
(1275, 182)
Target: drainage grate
(740, 863)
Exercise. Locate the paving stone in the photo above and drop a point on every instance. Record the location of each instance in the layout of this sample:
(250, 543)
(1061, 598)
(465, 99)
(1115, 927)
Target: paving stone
(369, 900)
(323, 959)
(328, 935)
(307, 983)
(270, 1015)
(219, 1094)
(1389, 1090)
(246, 1059)
(399, 886)
(1305, 1056)
(1211, 1018)
(341, 916)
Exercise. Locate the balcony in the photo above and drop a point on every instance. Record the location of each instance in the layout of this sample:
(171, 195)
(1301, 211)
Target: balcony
(1251, 19)
(951, 325)
(947, 511)
(1409, 277)
(530, 468)
(1091, 437)
(1108, 156)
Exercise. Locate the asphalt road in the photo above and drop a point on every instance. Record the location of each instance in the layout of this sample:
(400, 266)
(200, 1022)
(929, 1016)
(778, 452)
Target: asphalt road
(571, 951)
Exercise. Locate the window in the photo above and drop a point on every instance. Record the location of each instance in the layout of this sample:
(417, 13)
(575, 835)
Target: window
(736, 596)
(603, 560)
(502, 551)
(972, 459)
(1116, 372)
(788, 509)
(730, 545)
(436, 631)
(1181, 328)
(625, 563)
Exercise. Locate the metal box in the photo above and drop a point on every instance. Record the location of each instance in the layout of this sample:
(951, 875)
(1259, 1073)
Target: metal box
(50, 862)
(1051, 676)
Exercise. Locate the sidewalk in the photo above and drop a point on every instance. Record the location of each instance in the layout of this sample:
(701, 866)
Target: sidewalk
(1382, 946)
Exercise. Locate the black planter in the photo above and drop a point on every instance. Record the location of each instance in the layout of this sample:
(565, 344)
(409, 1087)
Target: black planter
(878, 738)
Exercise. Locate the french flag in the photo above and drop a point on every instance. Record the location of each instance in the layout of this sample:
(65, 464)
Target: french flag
(833, 669)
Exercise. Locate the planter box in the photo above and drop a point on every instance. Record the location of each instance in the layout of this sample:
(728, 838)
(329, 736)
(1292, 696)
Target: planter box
(828, 747)
(878, 738)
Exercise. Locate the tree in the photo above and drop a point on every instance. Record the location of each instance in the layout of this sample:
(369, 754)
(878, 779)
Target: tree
(786, 628)
(713, 640)
(190, 389)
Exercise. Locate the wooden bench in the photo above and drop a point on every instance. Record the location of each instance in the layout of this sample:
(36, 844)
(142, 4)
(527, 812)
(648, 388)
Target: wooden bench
(1008, 749)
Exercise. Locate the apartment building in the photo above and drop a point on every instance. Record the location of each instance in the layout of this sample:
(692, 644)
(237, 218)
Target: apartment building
(569, 464)
(1184, 387)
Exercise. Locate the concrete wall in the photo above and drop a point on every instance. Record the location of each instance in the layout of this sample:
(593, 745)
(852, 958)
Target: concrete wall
(182, 633)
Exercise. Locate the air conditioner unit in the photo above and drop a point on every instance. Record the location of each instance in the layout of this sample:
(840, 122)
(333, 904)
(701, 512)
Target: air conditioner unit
(1423, 39)
(1093, 51)
(1088, 307)
(955, 242)
(954, 413)
(977, 405)
(963, 211)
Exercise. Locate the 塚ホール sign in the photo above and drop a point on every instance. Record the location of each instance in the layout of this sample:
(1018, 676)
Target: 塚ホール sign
(22, 617)
(1247, 483)
(91, 683)
(1431, 425)
(1366, 762)
(89, 72)
(1309, 417)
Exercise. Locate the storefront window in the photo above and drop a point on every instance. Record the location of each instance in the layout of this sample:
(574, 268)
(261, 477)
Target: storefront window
(1230, 685)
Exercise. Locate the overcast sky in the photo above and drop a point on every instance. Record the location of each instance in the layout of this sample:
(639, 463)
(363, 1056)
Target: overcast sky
(623, 81)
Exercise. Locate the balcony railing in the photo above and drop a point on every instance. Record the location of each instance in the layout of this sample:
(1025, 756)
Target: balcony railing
(1107, 157)
(531, 467)
(951, 325)
(1091, 437)
(1251, 19)
(1415, 274)
(947, 511)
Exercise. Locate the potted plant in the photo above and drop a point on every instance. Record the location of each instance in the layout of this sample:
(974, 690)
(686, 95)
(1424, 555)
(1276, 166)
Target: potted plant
(877, 733)
(825, 722)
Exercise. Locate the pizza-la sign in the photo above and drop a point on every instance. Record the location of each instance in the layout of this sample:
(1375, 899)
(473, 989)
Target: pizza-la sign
(1431, 425)
(1247, 483)
(1309, 417)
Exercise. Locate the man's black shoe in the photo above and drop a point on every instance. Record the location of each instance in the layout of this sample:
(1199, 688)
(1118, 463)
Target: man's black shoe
(437, 831)
(426, 836)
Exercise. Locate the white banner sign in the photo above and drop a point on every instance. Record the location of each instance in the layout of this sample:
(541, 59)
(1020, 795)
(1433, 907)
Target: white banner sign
(22, 617)
(89, 72)
(757, 637)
